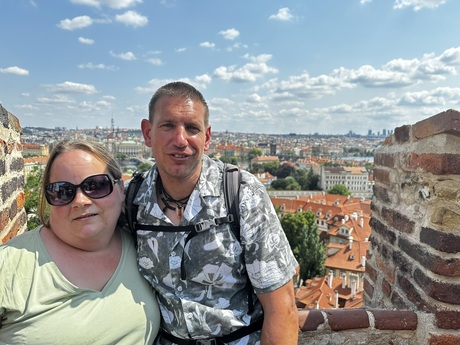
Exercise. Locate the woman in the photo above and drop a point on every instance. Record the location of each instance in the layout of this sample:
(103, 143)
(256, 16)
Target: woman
(74, 280)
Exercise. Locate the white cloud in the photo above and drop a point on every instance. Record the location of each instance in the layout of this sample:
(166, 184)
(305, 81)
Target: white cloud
(418, 4)
(128, 56)
(155, 61)
(249, 72)
(132, 18)
(84, 40)
(115, 4)
(207, 45)
(101, 66)
(284, 15)
(71, 87)
(75, 23)
(14, 70)
(229, 34)
(180, 50)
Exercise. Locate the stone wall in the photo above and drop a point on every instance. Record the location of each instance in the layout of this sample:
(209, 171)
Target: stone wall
(415, 259)
(13, 218)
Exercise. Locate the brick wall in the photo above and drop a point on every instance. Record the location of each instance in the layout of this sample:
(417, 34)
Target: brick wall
(13, 218)
(415, 259)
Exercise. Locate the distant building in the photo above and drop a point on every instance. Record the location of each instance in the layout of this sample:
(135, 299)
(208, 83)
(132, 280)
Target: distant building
(34, 162)
(35, 150)
(266, 178)
(264, 159)
(356, 179)
(129, 148)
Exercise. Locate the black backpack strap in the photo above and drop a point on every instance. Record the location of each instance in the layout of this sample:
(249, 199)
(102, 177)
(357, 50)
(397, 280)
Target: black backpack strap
(130, 207)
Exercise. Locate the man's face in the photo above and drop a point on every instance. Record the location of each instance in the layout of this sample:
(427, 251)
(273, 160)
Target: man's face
(178, 137)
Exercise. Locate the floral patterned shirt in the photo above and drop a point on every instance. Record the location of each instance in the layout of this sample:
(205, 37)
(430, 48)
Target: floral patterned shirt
(212, 299)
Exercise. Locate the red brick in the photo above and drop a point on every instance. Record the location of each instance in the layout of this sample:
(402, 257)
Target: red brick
(310, 320)
(395, 320)
(437, 164)
(341, 319)
(382, 176)
(20, 200)
(445, 122)
(412, 294)
(439, 290)
(4, 219)
(381, 229)
(398, 221)
(383, 159)
(448, 319)
(402, 134)
(368, 288)
(448, 243)
(386, 288)
(444, 339)
(381, 193)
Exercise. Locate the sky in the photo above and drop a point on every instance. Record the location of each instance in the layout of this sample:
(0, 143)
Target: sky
(264, 66)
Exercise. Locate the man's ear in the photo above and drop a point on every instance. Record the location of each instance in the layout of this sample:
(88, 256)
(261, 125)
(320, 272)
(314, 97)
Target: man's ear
(208, 139)
(146, 126)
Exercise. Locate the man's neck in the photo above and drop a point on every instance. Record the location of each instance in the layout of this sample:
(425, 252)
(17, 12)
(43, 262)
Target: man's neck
(178, 188)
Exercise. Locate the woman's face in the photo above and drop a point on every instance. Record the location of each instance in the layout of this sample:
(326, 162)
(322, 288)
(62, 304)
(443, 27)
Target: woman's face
(84, 221)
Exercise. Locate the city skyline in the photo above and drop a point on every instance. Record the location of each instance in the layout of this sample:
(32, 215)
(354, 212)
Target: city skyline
(264, 67)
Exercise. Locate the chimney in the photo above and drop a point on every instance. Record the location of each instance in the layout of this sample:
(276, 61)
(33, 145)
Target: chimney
(361, 222)
(331, 277)
(363, 261)
(344, 281)
(316, 304)
(336, 299)
(350, 240)
(353, 289)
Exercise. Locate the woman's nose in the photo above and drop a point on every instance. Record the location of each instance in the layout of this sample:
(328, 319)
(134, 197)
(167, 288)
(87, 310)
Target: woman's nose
(81, 198)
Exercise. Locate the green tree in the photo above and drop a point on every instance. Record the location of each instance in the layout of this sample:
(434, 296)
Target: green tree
(229, 159)
(32, 196)
(144, 166)
(255, 152)
(339, 189)
(286, 170)
(302, 233)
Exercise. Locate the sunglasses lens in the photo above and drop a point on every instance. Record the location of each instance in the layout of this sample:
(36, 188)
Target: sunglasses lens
(97, 186)
(59, 193)
(62, 193)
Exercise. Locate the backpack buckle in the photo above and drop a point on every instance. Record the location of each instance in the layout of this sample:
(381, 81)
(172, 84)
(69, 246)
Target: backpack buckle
(204, 225)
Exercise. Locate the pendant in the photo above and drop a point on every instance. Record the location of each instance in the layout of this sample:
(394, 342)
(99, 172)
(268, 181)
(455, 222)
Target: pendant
(179, 212)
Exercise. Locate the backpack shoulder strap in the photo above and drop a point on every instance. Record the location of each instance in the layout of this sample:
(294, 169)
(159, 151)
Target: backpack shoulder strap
(130, 207)
(232, 181)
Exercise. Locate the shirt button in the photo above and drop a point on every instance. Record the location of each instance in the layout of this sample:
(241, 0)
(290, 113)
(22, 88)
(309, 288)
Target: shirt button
(172, 254)
(179, 288)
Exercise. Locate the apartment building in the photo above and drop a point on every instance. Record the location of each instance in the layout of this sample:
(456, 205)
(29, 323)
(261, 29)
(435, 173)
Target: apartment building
(356, 179)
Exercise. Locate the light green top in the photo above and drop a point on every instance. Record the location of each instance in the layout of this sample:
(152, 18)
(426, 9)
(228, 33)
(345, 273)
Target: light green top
(42, 307)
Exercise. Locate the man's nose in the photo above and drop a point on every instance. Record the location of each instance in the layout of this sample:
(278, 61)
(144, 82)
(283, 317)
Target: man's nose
(181, 136)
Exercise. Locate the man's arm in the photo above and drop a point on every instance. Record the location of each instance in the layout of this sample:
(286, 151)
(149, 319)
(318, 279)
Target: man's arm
(281, 322)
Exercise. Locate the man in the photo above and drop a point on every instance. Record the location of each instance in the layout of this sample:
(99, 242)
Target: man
(201, 281)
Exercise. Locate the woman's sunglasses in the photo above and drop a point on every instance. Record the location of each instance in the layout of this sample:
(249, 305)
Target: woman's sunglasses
(95, 187)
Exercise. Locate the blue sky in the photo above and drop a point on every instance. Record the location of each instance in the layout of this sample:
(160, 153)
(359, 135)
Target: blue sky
(264, 66)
